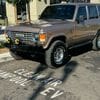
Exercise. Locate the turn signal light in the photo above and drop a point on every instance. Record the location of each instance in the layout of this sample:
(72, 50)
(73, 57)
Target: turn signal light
(42, 37)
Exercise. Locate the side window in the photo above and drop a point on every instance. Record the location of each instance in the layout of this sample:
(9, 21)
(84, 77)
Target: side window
(82, 12)
(92, 12)
(99, 10)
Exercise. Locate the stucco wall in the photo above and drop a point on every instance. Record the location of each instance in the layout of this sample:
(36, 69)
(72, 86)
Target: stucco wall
(10, 13)
(36, 7)
(95, 1)
(33, 10)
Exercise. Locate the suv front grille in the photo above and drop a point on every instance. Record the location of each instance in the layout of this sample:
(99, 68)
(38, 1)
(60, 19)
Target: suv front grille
(24, 37)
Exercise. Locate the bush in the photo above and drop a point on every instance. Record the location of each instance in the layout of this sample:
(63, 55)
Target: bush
(2, 45)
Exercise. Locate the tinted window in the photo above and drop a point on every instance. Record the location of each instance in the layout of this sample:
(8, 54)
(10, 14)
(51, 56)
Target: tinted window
(82, 12)
(58, 12)
(99, 10)
(92, 12)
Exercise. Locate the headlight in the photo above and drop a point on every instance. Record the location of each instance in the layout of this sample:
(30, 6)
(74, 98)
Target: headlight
(35, 37)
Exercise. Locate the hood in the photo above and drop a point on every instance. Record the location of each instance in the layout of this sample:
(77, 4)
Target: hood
(47, 23)
(35, 26)
(24, 27)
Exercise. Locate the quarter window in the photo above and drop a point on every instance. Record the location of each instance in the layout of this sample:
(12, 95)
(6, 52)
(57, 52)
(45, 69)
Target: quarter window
(92, 12)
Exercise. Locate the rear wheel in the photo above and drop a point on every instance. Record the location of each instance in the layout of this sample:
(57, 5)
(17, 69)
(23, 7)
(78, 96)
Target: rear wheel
(56, 55)
(96, 43)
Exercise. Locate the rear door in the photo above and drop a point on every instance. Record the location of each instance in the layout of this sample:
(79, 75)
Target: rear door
(81, 33)
(93, 21)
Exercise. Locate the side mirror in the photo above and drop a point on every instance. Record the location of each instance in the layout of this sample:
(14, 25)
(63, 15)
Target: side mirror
(81, 19)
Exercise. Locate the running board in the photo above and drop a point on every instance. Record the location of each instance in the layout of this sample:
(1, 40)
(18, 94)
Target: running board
(79, 45)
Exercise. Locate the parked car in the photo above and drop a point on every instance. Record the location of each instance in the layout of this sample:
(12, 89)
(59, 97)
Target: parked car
(59, 28)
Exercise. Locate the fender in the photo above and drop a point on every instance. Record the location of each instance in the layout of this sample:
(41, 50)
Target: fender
(54, 38)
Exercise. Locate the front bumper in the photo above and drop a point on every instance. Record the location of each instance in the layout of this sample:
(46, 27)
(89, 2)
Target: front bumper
(25, 48)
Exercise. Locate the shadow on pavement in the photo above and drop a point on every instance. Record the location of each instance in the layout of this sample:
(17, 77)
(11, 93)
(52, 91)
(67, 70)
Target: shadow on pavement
(68, 69)
(40, 68)
(39, 88)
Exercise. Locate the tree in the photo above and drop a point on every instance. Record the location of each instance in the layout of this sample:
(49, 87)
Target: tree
(15, 2)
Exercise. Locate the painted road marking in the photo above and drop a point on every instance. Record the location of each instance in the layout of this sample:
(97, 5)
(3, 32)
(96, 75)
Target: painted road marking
(25, 78)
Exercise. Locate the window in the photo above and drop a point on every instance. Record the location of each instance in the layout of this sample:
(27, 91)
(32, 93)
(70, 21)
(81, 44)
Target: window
(21, 11)
(81, 12)
(2, 9)
(92, 12)
(99, 10)
(58, 12)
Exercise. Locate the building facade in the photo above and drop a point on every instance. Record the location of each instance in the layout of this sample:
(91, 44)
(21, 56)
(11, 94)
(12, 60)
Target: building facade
(36, 7)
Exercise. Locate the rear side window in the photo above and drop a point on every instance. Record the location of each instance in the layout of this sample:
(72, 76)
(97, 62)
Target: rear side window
(82, 12)
(99, 10)
(92, 12)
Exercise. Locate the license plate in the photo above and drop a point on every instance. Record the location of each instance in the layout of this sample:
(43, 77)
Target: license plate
(20, 35)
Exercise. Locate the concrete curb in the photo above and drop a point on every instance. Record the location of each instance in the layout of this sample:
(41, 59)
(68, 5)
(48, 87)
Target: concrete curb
(6, 57)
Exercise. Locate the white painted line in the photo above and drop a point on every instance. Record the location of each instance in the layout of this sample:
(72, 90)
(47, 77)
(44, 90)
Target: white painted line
(98, 68)
(6, 57)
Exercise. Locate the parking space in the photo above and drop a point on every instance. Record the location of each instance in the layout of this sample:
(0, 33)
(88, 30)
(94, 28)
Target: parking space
(30, 80)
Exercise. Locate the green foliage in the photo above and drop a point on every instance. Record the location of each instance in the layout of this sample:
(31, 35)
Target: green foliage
(2, 45)
(14, 2)
(2, 22)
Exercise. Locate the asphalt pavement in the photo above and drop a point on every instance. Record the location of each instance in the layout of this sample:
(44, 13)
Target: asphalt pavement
(30, 80)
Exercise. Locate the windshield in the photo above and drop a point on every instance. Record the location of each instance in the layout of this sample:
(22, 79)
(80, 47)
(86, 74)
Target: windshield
(58, 12)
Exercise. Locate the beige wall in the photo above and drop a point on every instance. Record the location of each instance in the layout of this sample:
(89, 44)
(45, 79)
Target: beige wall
(10, 13)
(41, 6)
(95, 1)
(36, 7)
(33, 10)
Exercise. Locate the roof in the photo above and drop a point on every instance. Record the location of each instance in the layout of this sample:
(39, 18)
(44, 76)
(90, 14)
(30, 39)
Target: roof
(76, 4)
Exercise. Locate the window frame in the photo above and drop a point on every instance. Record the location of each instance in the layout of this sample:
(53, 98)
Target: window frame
(98, 9)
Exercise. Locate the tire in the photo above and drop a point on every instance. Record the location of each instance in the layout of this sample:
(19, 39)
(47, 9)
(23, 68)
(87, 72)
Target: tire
(96, 43)
(57, 55)
(16, 55)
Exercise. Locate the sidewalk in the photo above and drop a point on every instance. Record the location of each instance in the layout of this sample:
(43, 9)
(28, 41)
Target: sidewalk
(5, 55)
(4, 52)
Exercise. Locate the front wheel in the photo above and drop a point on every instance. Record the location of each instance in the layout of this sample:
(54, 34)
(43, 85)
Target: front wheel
(56, 55)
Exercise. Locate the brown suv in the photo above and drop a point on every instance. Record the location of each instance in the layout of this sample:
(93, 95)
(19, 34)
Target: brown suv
(59, 28)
